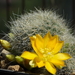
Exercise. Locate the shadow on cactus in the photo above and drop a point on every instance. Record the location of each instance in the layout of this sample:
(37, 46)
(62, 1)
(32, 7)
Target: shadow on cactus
(31, 42)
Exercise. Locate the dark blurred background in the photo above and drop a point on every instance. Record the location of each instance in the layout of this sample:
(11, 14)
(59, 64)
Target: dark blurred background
(8, 8)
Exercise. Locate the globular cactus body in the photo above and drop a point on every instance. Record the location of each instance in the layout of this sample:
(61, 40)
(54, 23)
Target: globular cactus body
(41, 22)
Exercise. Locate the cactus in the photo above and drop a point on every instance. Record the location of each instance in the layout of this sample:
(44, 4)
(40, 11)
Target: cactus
(40, 22)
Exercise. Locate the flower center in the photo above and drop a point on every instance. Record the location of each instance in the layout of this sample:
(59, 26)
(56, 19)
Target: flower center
(46, 53)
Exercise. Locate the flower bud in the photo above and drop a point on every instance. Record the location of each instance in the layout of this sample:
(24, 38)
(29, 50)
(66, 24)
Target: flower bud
(11, 35)
(19, 59)
(10, 57)
(23, 62)
(6, 45)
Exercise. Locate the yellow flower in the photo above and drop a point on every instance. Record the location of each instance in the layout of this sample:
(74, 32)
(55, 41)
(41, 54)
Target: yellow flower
(47, 52)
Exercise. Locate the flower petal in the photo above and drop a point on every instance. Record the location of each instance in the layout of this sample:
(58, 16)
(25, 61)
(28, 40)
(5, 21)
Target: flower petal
(33, 39)
(28, 55)
(58, 47)
(39, 62)
(39, 42)
(57, 62)
(52, 42)
(33, 42)
(62, 56)
(50, 67)
(47, 38)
